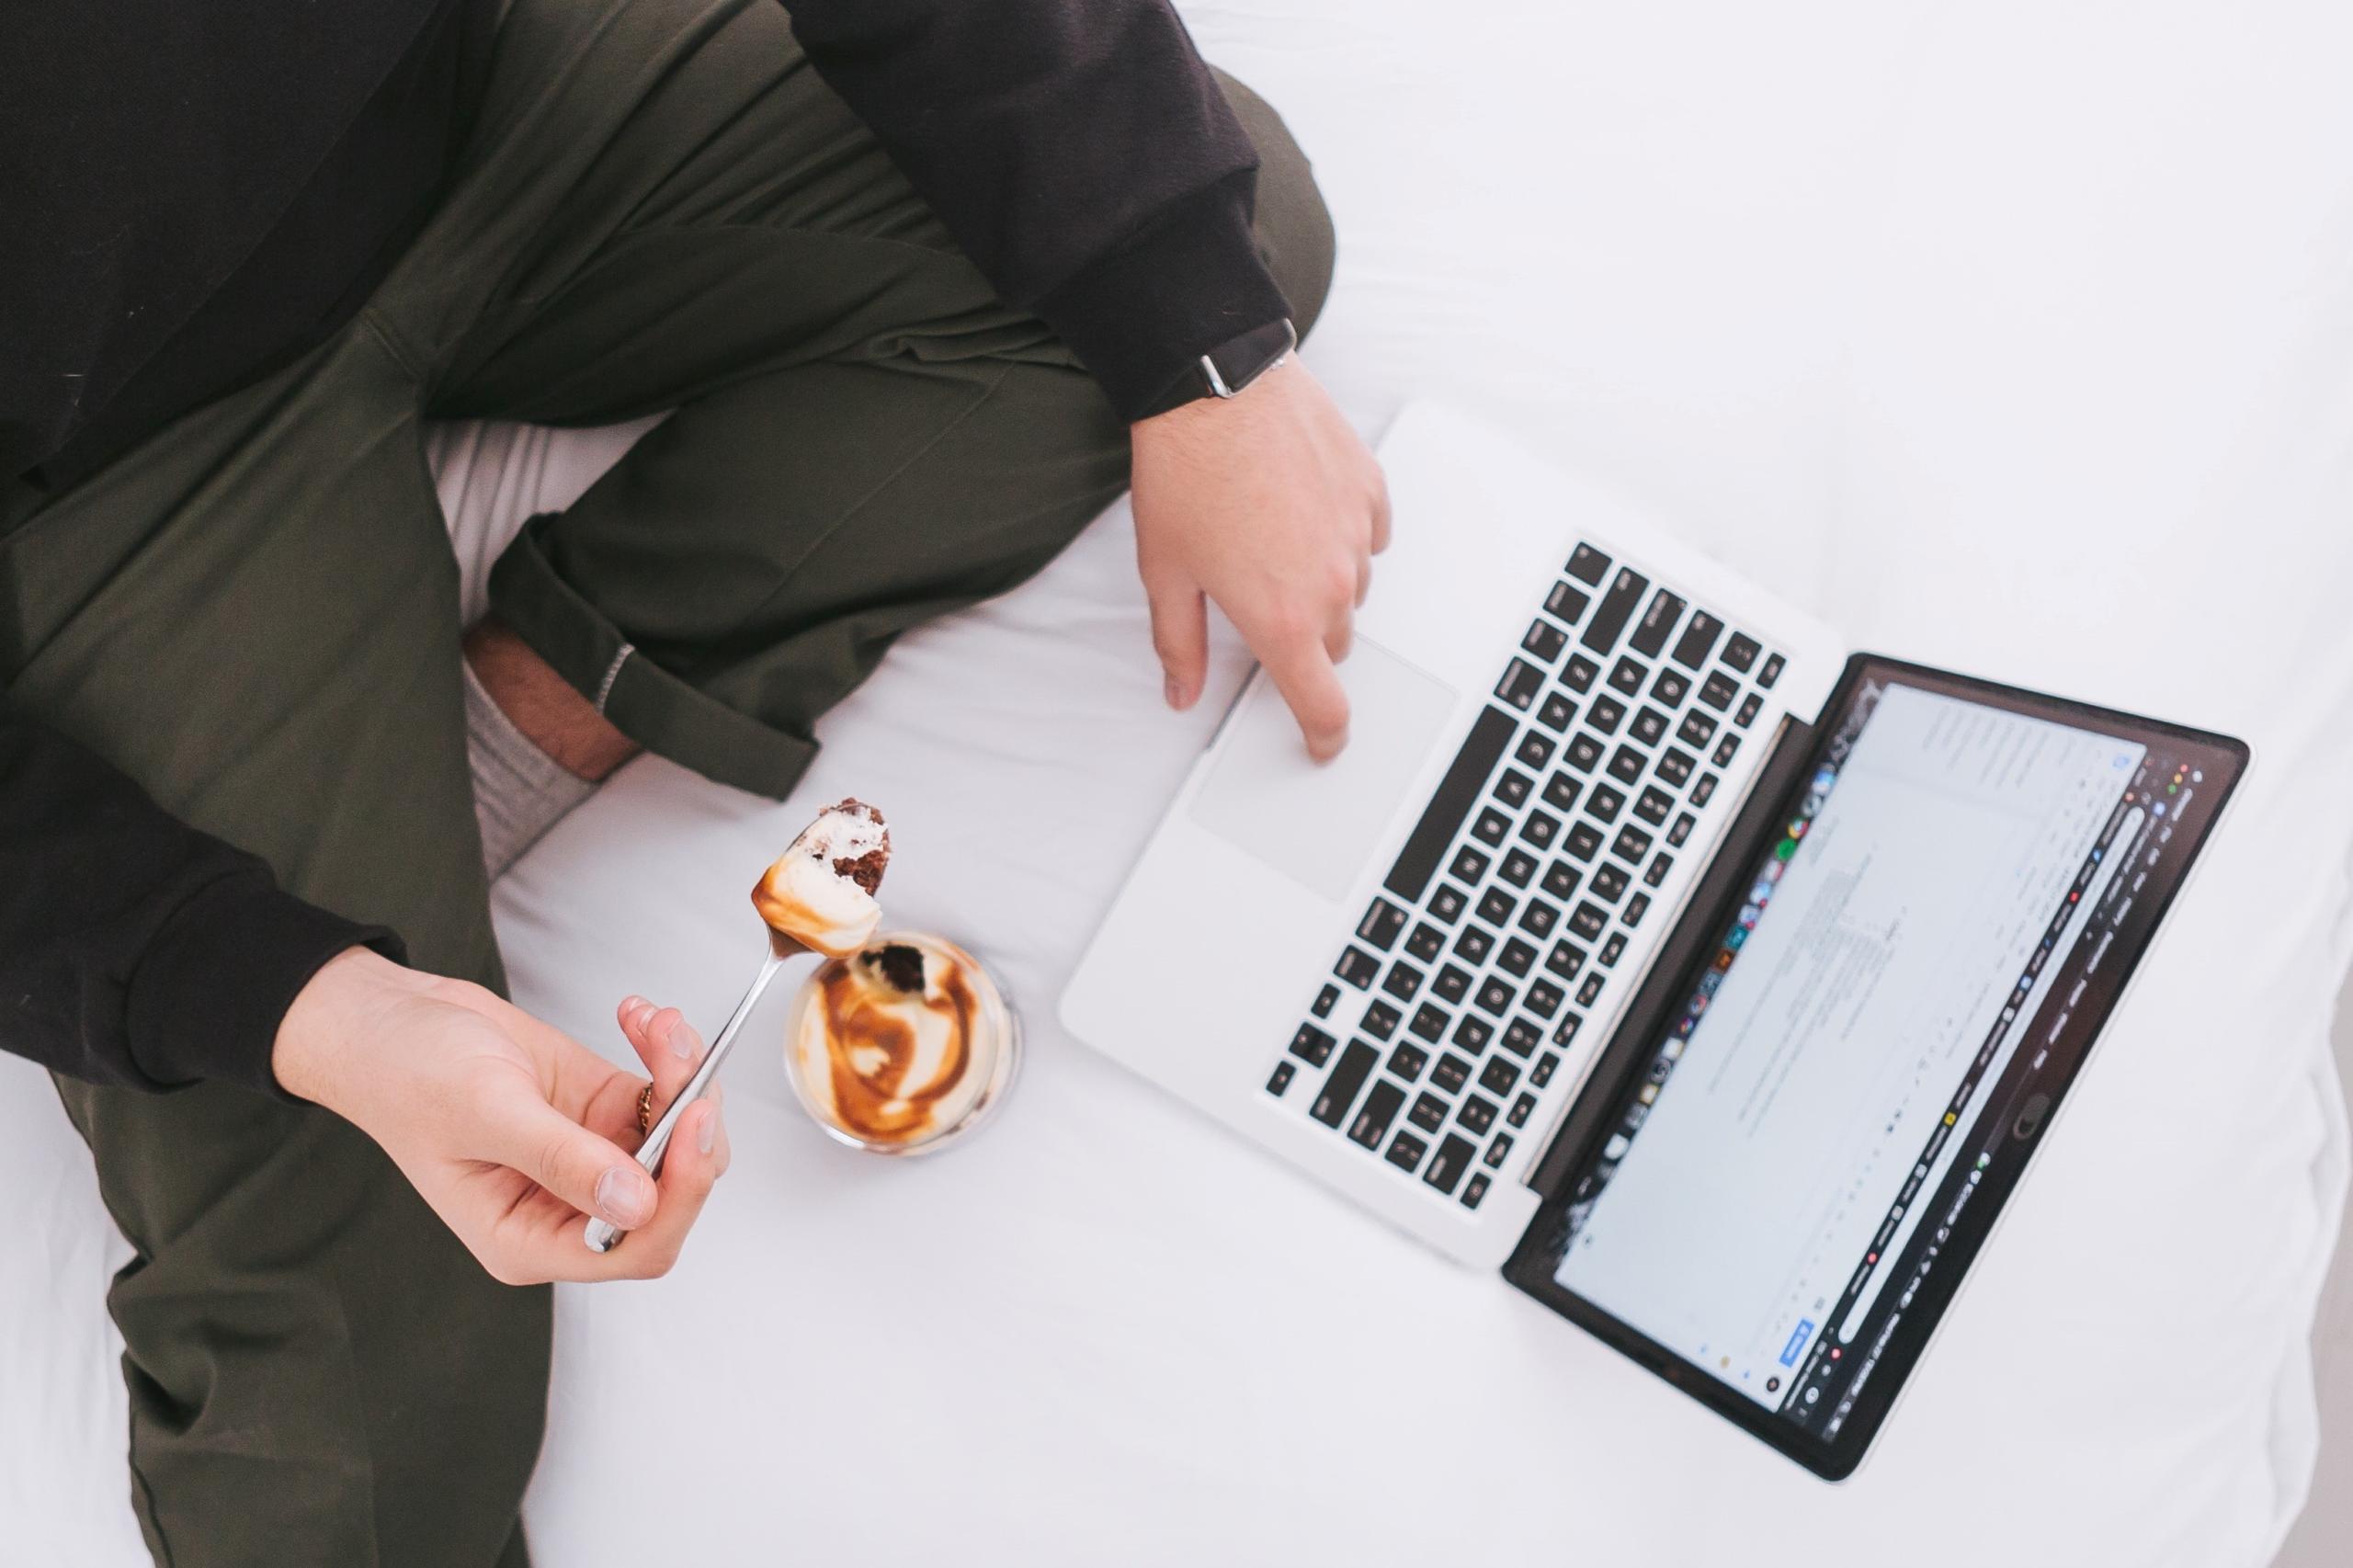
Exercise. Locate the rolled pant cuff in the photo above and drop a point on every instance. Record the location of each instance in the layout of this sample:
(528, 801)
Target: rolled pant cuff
(647, 703)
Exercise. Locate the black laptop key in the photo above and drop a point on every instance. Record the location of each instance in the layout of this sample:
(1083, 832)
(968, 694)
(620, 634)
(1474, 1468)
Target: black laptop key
(1561, 792)
(1357, 967)
(1517, 867)
(1631, 844)
(1470, 865)
(1675, 766)
(1521, 1109)
(1544, 999)
(1591, 988)
(1566, 601)
(1556, 714)
(1451, 983)
(1499, 1077)
(1610, 880)
(1661, 864)
(1636, 907)
(1718, 690)
(1704, 790)
(1473, 1033)
(1670, 688)
(1774, 664)
(1466, 776)
(1312, 1045)
(1612, 950)
(1474, 1190)
(1474, 944)
(1750, 706)
(1626, 676)
(1536, 917)
(1626, 764)
(1429, 1022)
(1578, 674)
(1603, 803)
(1695, 729)
(1648, 726)
(1684, 823)
(1583, 753)
(1653, 804)
(1496, 907)
(1495, 998)
(1604, 714)
(1540, 830)
(1545, 640)
(1658, 624)
(1535, 749)
(1428, 1113)
(1280, 1078)
(1380, 925)
(1407, 1061)
(1568, 1030)
(1402, 981)
(1692, 648)
(1565, 960)
(1587, 564)
(1513, 787)
(1490, 826)
(1405, 1152)
(1381, 1109)
(1582, 840)
(1559, 879)
(1520, 684)
(1447, 904)
(1722, 755)
(1541, 1073)
(1740, 652)
(1450, 1074)
(1446, 1166)
(1381, 1020)
(1588, 921)
(1498, 1148)
(1517, 959)
(1340, 1091)
(1618, 602)
(1325, 1000)
(1427, 942)
(1475, 1114)
(1522, 1037)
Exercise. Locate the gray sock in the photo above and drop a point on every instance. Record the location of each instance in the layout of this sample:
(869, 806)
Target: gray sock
(519, 790)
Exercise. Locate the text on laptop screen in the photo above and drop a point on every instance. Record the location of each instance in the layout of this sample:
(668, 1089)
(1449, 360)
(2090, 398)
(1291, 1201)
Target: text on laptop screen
(1781, 1173)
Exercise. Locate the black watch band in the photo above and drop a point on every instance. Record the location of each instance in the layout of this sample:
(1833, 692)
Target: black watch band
(1232, 365)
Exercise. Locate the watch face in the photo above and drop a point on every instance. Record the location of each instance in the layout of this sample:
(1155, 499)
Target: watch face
(1238, 361)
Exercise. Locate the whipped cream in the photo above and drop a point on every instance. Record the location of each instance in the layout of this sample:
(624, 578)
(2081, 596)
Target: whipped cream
(820, 893)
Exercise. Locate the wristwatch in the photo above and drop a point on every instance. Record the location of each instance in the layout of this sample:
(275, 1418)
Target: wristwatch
(1232, 365)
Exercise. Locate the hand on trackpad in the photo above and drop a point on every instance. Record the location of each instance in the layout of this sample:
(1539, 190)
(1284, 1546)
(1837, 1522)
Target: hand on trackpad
(1314, 822)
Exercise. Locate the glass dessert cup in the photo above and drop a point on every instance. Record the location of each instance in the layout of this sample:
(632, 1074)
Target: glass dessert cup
(847, 1101)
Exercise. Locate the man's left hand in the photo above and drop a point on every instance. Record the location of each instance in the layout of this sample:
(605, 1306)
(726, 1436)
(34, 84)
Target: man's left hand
(1268, 503)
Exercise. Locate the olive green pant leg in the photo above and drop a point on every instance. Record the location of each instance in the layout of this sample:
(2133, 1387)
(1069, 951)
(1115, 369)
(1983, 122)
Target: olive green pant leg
(864, 438)
(255, 616)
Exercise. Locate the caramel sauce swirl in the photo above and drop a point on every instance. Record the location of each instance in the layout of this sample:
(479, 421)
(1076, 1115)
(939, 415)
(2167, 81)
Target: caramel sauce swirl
(895, 1057)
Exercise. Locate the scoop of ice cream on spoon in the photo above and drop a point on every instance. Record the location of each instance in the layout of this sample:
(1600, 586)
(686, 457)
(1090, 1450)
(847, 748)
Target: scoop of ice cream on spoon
(820, 893)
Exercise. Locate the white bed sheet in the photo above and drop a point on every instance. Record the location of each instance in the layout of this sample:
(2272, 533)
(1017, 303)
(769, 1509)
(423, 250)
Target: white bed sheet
(2015, 337)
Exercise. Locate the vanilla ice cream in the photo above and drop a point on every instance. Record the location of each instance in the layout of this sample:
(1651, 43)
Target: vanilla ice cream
(901, 1043)
(821, 892)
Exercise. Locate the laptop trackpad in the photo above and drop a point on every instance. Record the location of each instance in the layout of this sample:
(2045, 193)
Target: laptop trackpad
(1317, 825)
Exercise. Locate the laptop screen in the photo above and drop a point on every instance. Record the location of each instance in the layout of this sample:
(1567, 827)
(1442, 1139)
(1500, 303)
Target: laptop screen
(1859, 1061)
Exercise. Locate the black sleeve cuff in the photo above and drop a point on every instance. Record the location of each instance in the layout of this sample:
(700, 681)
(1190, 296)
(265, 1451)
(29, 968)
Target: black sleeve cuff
(209, 993)
(1143, 315)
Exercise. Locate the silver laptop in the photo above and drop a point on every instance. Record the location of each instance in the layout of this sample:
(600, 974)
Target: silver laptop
(1712, 982)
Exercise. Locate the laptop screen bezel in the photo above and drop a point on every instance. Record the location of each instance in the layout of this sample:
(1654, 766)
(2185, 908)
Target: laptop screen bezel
(1778, 793)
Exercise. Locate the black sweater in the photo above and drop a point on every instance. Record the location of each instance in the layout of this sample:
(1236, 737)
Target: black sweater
(194, 192)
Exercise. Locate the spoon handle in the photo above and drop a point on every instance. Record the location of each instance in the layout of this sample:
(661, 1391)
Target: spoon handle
(602, 1234)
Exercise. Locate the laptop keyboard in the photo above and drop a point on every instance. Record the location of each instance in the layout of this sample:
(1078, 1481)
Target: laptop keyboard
(1516, 897)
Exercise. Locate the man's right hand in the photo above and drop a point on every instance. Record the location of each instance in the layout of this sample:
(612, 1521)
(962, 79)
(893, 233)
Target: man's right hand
(511, 1131)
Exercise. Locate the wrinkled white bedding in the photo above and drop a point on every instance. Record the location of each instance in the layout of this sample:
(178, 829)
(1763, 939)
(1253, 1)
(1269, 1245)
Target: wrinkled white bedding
(2017, 337)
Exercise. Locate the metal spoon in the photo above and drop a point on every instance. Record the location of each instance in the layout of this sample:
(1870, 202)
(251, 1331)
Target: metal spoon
(602, 1233)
